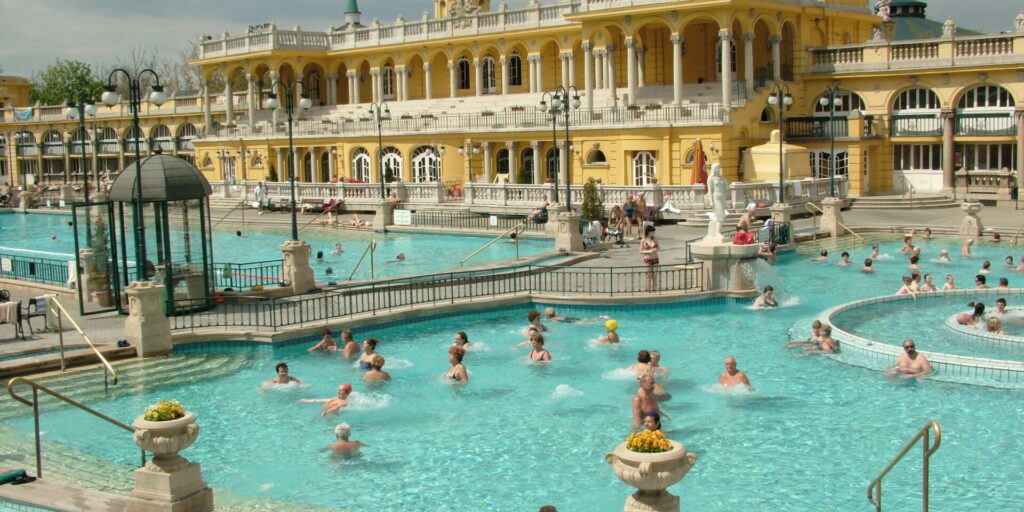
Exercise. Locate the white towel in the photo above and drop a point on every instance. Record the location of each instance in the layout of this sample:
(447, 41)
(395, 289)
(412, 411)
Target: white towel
(798, 188)
(9, 312)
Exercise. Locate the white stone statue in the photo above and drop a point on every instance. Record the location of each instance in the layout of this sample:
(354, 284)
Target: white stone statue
(948, 28)
(1019, 22)
(718, 190)
(877, 33)
(882, 9)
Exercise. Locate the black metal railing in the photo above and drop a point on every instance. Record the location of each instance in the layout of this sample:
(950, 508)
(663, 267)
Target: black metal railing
(986, 124)
(435, 289)
(27, 268)
(243, 276)
(465, 220)
(916, 125)
(809, 128)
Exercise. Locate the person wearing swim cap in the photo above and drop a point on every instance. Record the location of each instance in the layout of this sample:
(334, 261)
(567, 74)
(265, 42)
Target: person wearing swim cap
(610, 336)
(344, 447)
(334, 404)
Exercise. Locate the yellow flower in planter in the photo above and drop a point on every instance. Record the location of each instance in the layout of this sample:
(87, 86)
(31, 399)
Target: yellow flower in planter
(164, 410)
(648, 441)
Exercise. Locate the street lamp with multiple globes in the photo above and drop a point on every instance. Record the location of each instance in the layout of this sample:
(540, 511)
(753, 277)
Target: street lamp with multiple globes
(304, 103)
(78, 110)
(157, 97)
(561, 103)
(831, 99)
(469, 149)
(782, 100)
(380, 112)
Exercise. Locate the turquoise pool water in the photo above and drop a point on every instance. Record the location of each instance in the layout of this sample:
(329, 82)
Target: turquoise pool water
(811, 437)
(425, 253)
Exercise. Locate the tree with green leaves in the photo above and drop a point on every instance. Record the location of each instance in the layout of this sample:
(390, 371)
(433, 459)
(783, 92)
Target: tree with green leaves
(593, 208)
(63, 81)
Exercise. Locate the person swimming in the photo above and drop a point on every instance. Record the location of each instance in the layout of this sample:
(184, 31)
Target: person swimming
(767, 299)
(366, 359)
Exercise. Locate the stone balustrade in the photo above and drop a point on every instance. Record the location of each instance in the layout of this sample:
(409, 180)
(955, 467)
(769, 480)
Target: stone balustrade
(919, 54)
(986, 186)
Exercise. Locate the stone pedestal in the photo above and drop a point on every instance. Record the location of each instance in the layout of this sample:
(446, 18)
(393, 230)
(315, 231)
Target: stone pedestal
(169, 482)
(383, 215)
(567, 232)
(971, 225)
(67, 193)
(147, 327)
(714, 235)
(722, 270)
(295, 268)
(89, 277)
(831, 220)
(651, 474)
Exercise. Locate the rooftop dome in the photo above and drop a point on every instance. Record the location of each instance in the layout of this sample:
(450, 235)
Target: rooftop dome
(164, 178)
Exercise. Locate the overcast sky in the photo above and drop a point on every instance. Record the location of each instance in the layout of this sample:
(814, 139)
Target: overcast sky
(34, 33)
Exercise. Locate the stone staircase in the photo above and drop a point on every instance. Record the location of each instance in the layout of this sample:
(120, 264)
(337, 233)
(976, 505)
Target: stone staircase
(900, 202)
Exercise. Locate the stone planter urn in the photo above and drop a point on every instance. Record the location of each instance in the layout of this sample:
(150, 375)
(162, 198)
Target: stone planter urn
(165, 439)
(971, 224)
(105, 298)
(651, 474)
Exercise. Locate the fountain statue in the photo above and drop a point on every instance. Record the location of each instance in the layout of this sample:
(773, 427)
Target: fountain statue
(718, 189)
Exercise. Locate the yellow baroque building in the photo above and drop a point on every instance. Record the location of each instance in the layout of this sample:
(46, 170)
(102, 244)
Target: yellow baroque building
(458, 93)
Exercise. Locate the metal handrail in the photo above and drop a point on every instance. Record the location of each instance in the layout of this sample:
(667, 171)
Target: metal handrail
(371, 248)
(1017, 234)
(910, 186)
(321, 214)
(809, 207)
(53, 302)
(499, 237)
(875, 488)
(34, 404)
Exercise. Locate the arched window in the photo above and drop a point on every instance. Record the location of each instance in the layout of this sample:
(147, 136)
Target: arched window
(986, 97)
(644, 168)
(361, 165)
(689, 157)
(767, 116)
(916, 100)
(552, 163)
(161, 136)
(463, 73)
(108, 141)
(325, 167)
(526, 169)
(488, 75)
(207, 162)
(515, 69)
(388, 81)
(849, 101)
(426, 165)
(313, 87)
(596, 157)
(392, 164)
(132, 136)
(186, 134)
(53, 144)
(503, 162)
(985, 110)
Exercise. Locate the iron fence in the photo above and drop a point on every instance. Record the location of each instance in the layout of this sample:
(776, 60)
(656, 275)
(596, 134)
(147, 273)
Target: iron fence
(27, 268)
(460, 220)
(435, 289)
(243, 276)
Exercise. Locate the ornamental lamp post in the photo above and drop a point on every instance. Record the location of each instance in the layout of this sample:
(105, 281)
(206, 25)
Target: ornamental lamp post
(560, 103)
(782, 100)
(380, 112)
(78, 110)
(831, 101)
(304, 103)
(566, 103)
(469, 149)
(157, 97)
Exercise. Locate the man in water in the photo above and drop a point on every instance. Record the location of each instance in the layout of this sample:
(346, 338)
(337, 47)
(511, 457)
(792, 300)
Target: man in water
(551, 315)
(911, 363)
(644, 401)
(333, 404)
(822, 257)
(748, 218)
(281, 378)
(732, 376)
(344, 447)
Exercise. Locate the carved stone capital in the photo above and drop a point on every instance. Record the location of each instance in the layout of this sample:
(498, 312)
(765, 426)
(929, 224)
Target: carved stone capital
(748, 36)
(587, 46)
(630, 43)
(676, 38)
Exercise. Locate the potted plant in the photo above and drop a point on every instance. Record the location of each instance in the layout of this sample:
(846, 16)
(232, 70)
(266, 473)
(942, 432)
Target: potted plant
(593, 207)
(650, 462)
(517, 108)
(487, 113)
(165, 429)
(632, 106)
(427, 116)
(99, 273)
(652, 106)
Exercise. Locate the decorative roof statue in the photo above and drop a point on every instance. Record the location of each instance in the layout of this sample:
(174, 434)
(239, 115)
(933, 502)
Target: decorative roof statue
(877, 33)
(882, 9)
(948, 28)
(1019, 22)
(460, 9)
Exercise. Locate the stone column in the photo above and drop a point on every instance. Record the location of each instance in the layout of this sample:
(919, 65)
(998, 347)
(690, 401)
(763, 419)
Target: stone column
(295, 271)
(537, 167)
(488, 176)
(275, 114)
(207, 114)
(725, 38)
(641, 79)
(280, 165)
(168, 482)
(332, 155)
(588, 74)
(564, 58)
(748, 62)
(428, 86)
(513, 162)
(147, 327)
(406, 72)
(611, 71)
(948, 150)
(572, 69)
(383, 215)
(775, 42)
(299, 90)
(504, 75)
(478, 76)
(631, 79)
(567, 232)
(253, 96)
(540, 72)
(229, 101)
(332, 89)
(1020, 148)
(375, 85)
(452, 81)
(314, 160)
(677, 69)
(353, 87)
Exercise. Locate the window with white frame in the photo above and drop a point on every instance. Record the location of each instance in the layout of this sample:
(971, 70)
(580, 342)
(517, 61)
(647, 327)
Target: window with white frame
(985, 157)
(515, 69)
(916, 100)
(820, 162)
(463, 75)
(388, 81)
(426, 165)
(489, 82)
(645, 168)
(361, 165)
(849, 101)
(986, 98)
(917, 157)
(391, 164)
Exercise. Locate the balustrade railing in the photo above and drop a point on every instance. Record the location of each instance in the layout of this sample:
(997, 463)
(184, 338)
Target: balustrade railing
(985, 124)
(915, 125)
(816, 127)
(923, 54)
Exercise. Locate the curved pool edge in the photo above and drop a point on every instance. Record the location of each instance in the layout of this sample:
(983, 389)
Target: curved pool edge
(862, 352)
(978, 333)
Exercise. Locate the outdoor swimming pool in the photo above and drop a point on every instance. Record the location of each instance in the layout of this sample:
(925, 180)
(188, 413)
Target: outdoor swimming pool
(425, 252)
(518, 436)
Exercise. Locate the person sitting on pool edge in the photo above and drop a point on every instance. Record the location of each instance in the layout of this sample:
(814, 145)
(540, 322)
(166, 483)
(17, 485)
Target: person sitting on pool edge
(911, 364)
(334, 404)
(344, 447)
(281, 378)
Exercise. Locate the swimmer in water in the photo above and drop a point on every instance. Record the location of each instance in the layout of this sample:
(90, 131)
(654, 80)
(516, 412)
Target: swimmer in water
(732, 376)
(826, 344)
(874, 252)
(928, 285)
(281, 378)
(319, 256)
(1000, 308)
(907, 289)
(867, 268)
(986, 267)
(534, 318)
(913, 263)
(644, 401)
(652, 421)
(844, 259)
(911, 364)
(549, 313)
(398, 259)
(334, 404)
(643, 363)
(908, 244)
(767, 299)
(950, 285)
(813, 341)
(239, 234)
(965, 249)
(375, 373)
(349, 346)
(462, 340)
(369, 345)
(822, 257)
(344, 447)
(457, 373)
(539, 353)
(327, 343)
(337, 249)
(943, 257)
(53, 238)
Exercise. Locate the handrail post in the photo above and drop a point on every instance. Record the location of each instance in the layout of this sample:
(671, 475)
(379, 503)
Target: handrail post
(39, 448)
(60, 336)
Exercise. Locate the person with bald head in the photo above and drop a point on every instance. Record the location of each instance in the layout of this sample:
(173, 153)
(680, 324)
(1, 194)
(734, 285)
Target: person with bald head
(334, 404)
(344, 447)
(732, 376)
(644, 401)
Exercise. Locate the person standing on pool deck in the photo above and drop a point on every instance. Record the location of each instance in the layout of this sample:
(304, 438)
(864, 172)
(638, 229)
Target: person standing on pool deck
(333, 404)
(911, 363)
(649, 250)
(644, 400)
(732, 376)
(344, 447)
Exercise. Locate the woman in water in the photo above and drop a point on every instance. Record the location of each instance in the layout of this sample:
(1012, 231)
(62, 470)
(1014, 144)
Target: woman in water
(643, 363)
(907, 288)
(369, 346)
(995, 326)
(649, 250)
(375, 374)
(844, 259)
(538, 353)
(461, 340)
(867, 266)
(457, 373)
(928, 286)
(652, 421)
(337, 249)
(767, 299)
(908, 244)
(943, 257)
(327, 343)
(874, 252)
